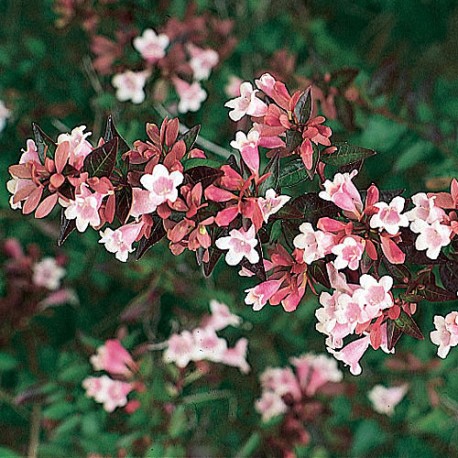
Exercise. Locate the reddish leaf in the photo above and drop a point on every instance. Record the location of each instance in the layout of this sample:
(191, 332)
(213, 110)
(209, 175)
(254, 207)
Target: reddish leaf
(157, 233)
(67, 226)
(407, 325)
(304, 106)
(434, 293)
(111, 133)
(101, 161)
(46, 206)
(393, 334)
(317, 271)
(204, 175)
(123, 204)
(449, 276)
(61, 156)
(32, 201)
(215, 255)
(190, 137)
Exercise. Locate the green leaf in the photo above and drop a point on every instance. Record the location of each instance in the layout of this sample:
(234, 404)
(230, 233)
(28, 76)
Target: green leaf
(346, 154)
(101, 161)
(8, 453)
(59, 410)
(292, 174)
(293, 140)
(415, 154)
(111, 133)
(273, 167)
(7, 362)
(250, 446)
(407, 325)
(190, 137)
(367, 437)
(197, 162)
(178, 422)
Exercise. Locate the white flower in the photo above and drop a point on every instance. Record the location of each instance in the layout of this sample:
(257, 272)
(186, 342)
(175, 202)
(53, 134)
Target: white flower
(130, 85)
(48, 274)
(389, 216)
(191, 95)
(246, 104)
(316, 244)
(151, 46)
(240, 244)
(271, 204)
(384, 400)
(202, 61)
(120, 241)
(432, 237)
(162, 185)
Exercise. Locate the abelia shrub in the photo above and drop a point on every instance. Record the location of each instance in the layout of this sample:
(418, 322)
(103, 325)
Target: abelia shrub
(378, 254)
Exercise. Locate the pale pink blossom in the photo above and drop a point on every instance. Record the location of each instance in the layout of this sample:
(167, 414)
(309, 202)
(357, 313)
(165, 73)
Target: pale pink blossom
(349, 252)
(48, 274)
(432, 237)
(271, 203)
(374, 295)
(246, 104)
(313, 371)
(232, 88)
(342, 192)
(202, 61)
(221, 316)
(79, 147)
(143, 202)
(151, 46)
(84, 209)
(180, 349)
(14, 186)
(248, 147)
(446, 333)
(270, 405)
(120, 241)
(110, 393)
(208, 345)
(351, 354)
(191, 95)
(4, 115)
(30, 153)
(129, 85)
(266, 83)
(112, 357)
(162, 185)
(384, 400)
(241, 244)
(260, 294)
(281, 381)
(236, 356)
(389, 216)
(425, 209)
(316, 244)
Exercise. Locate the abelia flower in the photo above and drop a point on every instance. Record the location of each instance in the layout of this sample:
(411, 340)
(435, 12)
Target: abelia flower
(191, 95)
(221, 317)
(129, 85)
(342, 192)
(425, 209)
(30, 153)
(313, 371)
(110, 393)
(374, 296)
(112, 357)
(246, 104)
(270, 405)
(120, 241)
(384, 400)
(432, 237)
(260, 294)
(143, 202)
(236, 356)
(207, 345)
(241, 244)
(248, 147)
(4, 115)
(232, 88)
(446, 333)
(162, 185)
(271, 203)
(316, 244)
(180, 349)
(281, 381)
(202, 61)
(151, 45)
(351, 354)
(48, 274)
(349, 252)
(389, 216)
(84, 209)
(79, 147)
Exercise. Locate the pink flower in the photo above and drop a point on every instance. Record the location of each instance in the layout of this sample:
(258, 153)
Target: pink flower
(129, 85)
(162, 185)
(313, 371)
(246, 104)
(316, 244)
(352, 353)
(271, 204)
(180, 349)
(248, 147)
(281, 381)
(208, 345)
(85, 208)
(202, 61)
(446, 333)
(112, 357)
(432, 237)
(48, 274)
(349, 252)
(389, 216)
(384, 400)
(143, 202)
(79, 147)
(425, 209)
(236, 356)
(374, 296)
(30, 154)
(4, 115)
(191, 95)
(110, 393)
(343, 193)
(241, 244)
(120, 241)
(151, 46)
(221, 317)
(232, 88)
(260, 294)
(270, 405)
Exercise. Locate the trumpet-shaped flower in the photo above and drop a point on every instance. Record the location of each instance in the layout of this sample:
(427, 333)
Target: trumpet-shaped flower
(48, 274)
(129, 85)
(246, 104)
(113, 358)
(120, 241)
(202, 61)
(432, 237)
(316, 244)
(111, 393)
(151, 45)
(191, 95)
(162, 185)
(389, 216)
(384, 400)
(446, 333)
(271, 203)
(241, 244)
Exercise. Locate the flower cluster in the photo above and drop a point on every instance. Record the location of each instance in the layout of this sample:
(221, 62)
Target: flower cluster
(292, 394)
(446, 333)
(202, 343)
